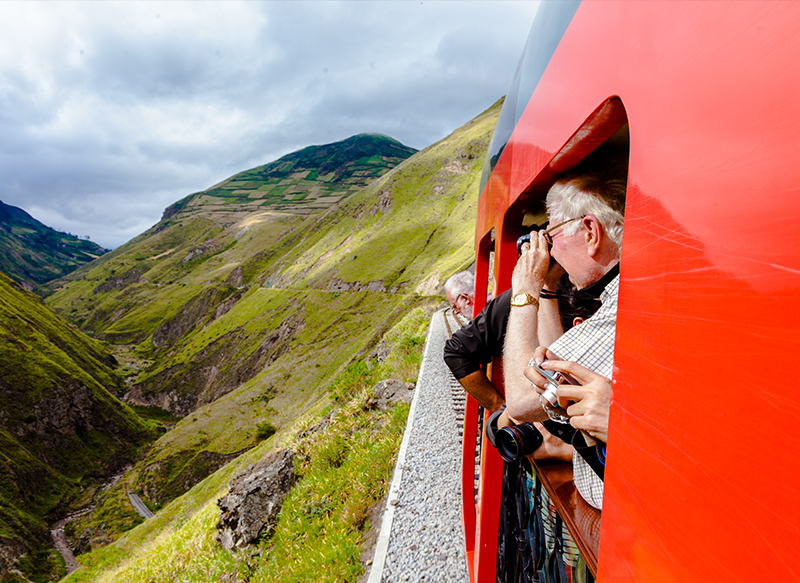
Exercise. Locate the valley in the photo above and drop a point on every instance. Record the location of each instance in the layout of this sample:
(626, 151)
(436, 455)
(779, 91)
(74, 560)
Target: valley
(251, 312)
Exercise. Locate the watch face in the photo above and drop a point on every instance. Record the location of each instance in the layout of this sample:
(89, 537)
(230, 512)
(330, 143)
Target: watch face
(520, 300)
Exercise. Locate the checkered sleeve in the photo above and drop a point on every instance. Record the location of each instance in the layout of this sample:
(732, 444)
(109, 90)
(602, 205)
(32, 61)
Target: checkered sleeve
(591, 344)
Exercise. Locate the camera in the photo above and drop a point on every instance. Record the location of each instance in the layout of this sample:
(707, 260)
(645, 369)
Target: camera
(521, 240)
(513, 442)
(517, 441)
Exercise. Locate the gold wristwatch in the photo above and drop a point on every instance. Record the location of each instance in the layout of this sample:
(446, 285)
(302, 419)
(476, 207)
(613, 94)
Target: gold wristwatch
(519, 300)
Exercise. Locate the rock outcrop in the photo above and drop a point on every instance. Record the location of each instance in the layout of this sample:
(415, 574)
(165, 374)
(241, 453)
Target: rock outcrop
(205, 307)
(390, 391)
(254, 499)
(217, 369)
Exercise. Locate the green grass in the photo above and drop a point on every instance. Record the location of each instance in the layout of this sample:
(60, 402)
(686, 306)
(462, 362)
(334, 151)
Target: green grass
(408, 337)
(265, 430)
(323, 520)
(48, 367)
(33, 253)
(357, 375)
(335, 330)
(342, 471)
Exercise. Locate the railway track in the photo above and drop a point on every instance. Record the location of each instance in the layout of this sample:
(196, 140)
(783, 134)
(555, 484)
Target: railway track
(421, 536)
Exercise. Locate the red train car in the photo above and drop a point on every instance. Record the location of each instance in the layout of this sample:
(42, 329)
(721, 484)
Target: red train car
(704, 100)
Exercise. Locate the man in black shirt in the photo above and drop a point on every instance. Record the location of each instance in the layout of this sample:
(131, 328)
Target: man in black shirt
(477, 344)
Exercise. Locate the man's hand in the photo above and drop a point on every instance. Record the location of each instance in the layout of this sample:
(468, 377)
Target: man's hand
(554, 273)
(532, 266)
(591, 400)
(539, 356)
(552, 447)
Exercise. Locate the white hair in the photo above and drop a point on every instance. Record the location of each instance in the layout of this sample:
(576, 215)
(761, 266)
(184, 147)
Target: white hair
(462, 282)
(589, 194)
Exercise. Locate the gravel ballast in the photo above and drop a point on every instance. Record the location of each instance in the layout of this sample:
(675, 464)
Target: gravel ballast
(421, 537)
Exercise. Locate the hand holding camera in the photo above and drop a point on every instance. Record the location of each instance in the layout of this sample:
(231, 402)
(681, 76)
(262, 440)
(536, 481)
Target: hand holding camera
(554, 270)
(532, 266)
(515, 441)
(546, 383)
(586, 400)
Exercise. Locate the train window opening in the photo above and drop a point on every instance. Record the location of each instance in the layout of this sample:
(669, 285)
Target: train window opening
(570, 510)
(504, 215)
(491, 288)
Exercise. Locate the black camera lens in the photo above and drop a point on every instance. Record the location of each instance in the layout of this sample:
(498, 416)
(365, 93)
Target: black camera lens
(517, 441)
(521, 240)
(491, 424)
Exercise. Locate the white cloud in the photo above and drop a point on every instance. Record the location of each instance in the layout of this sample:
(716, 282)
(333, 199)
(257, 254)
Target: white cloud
(111, 111)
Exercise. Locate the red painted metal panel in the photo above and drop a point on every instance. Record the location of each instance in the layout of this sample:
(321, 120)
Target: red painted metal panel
(700, 483)
(480, 540)
(468, 510)
(491, 483)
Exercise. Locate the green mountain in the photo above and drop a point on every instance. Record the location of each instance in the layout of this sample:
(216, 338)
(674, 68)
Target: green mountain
(235, 313)
(301, 182)
(61, 426)
(32, 253)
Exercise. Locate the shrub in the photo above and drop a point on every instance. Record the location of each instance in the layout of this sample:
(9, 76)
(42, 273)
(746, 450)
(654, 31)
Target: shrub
(265, 430)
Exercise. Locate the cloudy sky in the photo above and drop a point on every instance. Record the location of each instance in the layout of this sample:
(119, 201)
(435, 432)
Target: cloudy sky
(110, 112)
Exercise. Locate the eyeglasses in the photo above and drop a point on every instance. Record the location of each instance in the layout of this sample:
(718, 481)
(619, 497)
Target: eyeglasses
(456, 307)
(549, 238)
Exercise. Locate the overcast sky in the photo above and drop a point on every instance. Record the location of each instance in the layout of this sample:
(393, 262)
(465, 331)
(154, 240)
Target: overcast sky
(110, 112)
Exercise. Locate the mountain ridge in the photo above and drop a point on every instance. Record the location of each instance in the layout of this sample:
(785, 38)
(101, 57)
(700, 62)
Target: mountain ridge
(33, 254)
(308, 180)
(314, 285)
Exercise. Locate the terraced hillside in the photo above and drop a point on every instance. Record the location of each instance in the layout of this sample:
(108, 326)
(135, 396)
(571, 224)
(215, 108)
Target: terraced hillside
(32, 253)
(235, 321)
(300, 183)
(61, 425)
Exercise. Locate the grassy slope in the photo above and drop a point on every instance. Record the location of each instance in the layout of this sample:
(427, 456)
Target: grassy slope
(428, 226)
(60, 426)
(286, 264)
(338, 326)
(342, 470)
(204, 237)
(33, 253)
(316, 176)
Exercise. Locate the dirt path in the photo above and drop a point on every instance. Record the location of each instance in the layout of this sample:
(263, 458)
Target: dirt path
(58, 535)
(60, 539)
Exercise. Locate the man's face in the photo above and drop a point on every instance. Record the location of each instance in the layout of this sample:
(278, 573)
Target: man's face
(570, 252)
(461, 303)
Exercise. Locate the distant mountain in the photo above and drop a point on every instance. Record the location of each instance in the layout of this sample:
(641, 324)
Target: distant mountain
(302, 182)
(32, 253)
(61, 427)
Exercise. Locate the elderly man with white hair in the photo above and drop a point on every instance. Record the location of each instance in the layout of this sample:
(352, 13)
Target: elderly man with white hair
(460, 290)
(584, 238)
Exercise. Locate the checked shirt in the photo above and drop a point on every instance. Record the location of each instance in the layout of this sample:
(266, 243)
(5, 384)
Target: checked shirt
(591, 344)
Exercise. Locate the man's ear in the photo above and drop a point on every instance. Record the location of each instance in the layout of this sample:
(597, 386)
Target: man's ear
(593, 234)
